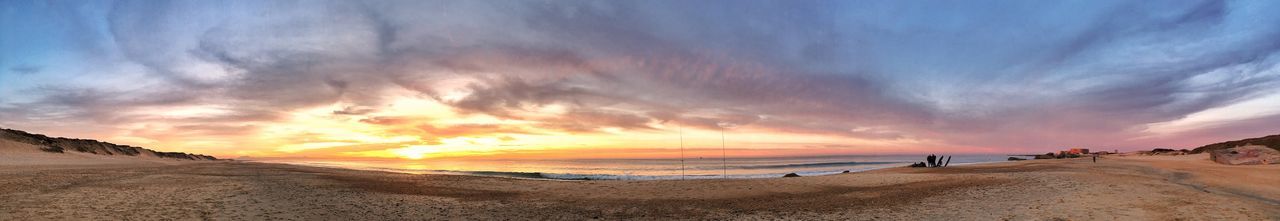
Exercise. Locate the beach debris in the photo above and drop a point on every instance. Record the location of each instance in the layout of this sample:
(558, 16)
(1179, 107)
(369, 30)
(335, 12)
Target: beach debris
(791, 175)
(1246, 155)
(1015, 159)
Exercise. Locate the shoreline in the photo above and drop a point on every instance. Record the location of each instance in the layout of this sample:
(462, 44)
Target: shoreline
(1119, 188)
(543, 175)
(553, 176)
(532, 175)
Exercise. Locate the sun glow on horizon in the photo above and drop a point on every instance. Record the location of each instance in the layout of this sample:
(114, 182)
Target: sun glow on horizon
(414, 128)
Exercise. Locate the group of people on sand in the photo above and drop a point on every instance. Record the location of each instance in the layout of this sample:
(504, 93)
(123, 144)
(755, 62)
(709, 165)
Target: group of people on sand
(936, 161)
(933, 161)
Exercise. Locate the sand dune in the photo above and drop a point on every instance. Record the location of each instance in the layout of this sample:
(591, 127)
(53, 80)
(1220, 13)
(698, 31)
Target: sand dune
(21, 142)
(1127, 188)
(17, 154)
(1261, 182)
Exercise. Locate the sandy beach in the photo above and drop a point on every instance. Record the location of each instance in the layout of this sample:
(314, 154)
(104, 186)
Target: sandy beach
(1116, 188)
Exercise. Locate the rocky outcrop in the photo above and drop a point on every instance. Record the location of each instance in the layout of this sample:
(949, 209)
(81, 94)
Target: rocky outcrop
(791, 175)
(1246, 155)
(62, 145)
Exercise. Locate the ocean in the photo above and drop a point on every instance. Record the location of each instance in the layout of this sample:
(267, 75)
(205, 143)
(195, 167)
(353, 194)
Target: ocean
(639, 169)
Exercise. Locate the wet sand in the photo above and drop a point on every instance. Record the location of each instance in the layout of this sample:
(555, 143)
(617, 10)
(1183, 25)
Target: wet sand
(1115, 188)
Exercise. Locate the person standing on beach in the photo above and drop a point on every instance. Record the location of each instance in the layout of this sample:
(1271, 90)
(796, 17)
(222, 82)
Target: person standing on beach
(1095, 158)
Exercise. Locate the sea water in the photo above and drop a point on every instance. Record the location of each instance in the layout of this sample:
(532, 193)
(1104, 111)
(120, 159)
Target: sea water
(639, 169)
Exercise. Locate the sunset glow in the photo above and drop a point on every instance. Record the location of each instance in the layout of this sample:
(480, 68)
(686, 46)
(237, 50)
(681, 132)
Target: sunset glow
(423, 79)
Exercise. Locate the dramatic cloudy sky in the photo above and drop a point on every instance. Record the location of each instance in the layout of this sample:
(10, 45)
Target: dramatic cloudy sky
(417, 79)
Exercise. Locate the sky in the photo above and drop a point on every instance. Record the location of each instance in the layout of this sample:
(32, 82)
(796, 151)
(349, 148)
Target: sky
(640, 79)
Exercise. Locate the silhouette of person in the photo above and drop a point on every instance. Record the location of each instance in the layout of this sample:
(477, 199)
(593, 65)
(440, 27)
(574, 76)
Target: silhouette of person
(930, 158)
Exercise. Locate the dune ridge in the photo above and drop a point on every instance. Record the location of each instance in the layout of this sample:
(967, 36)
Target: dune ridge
(1272, 142)
(63, 145)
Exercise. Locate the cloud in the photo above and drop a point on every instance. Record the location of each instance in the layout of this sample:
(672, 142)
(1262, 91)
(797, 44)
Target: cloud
(26, 69)
(960, 74)
(469, 129)
(591, 121)
(355, 110)
(387, 120)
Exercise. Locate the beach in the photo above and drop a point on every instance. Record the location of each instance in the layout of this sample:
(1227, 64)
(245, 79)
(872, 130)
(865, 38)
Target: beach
(1115, 188)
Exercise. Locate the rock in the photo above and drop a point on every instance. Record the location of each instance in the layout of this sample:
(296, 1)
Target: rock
(1015, 159)
(846, 171)
(1246, 155)
(791, 175)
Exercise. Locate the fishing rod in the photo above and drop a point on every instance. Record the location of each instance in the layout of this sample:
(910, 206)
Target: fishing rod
(724, 160)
